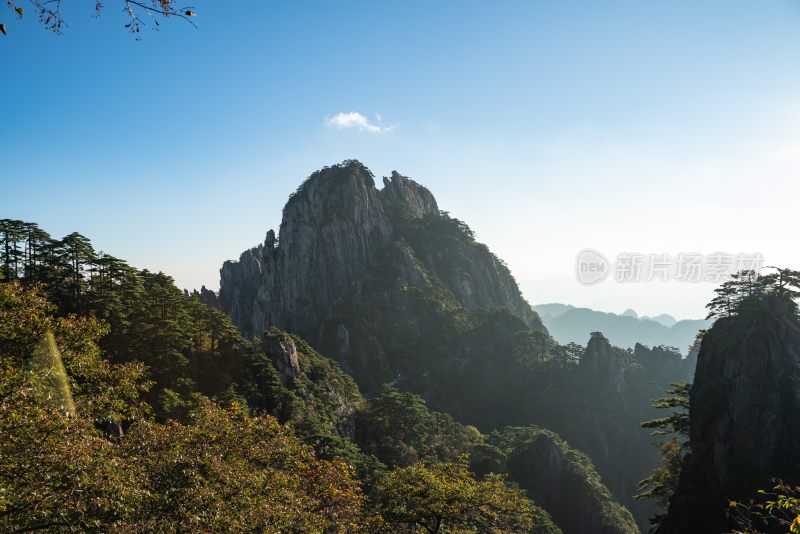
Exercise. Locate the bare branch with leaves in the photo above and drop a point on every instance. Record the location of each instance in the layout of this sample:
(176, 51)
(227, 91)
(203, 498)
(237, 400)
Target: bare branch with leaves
(49, 13)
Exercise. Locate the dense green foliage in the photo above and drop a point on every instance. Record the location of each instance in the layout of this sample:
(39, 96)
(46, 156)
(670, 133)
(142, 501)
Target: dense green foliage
(158, 354)
(745, 293)
(446, 497)
(226, 470)
(400, 429)
(63, 470)
(187, 346)
(68, 466)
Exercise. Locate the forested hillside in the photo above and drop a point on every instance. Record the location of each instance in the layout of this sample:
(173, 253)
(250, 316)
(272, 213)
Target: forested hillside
(150, 409)
(451, 369)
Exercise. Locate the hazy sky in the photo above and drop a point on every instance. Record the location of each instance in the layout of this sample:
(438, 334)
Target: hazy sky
(549, 127)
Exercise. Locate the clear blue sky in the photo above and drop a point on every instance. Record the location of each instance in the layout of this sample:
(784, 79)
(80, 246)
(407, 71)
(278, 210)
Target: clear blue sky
(548, 126)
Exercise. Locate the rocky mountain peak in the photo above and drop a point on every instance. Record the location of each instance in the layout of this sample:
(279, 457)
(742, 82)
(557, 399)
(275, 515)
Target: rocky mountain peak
(343, 193)
(401, 191)
(350, 255)
(604, 361)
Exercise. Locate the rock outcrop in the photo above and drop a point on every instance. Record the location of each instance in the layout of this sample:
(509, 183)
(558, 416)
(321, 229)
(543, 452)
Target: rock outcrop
(604, 363)
(332, 228)
(208, 297)
(283, 352)
(346, 247)
(303, 387)
(744, 418)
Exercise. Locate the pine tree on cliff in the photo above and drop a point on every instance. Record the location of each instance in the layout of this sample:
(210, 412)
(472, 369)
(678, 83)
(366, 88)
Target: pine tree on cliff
(747, 289)
(663, 481)
(786, 282)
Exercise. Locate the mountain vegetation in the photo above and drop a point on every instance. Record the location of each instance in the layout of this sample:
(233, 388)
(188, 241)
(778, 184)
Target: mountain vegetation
(66, 466)
(400, 293)
(201, 430)
(375, 369)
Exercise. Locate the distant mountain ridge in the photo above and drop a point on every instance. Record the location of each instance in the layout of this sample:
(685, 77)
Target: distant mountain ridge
(569, 324)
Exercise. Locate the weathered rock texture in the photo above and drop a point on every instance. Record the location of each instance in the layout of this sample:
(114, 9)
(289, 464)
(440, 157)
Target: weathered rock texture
(307, 389)
(745, 418)
(605, 363)
(283, 352)
(344, 260)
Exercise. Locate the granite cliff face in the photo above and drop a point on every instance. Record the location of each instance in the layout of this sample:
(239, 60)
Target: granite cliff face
(744, 418)
(283, 352)
(349, 256)
(605, 363)
(332, 229)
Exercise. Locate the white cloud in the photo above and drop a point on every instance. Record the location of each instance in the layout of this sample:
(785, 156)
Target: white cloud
(357, 120)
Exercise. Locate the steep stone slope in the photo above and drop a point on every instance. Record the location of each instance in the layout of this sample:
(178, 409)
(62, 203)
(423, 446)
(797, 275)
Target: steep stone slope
(332, 229)
(286, 377)
(348, 255)
(744, 418)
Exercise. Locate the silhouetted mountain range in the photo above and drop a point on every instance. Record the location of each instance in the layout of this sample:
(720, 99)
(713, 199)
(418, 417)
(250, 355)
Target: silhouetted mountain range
(568, 324)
